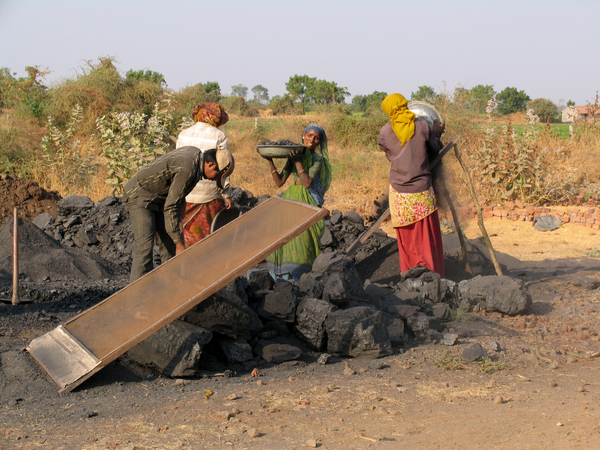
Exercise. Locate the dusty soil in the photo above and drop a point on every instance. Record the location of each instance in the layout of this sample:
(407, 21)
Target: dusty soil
(539, 391)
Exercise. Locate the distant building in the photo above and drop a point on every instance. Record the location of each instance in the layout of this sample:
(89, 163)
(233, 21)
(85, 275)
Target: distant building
(575, 114)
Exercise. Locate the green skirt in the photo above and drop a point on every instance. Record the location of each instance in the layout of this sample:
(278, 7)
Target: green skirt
(297, 256)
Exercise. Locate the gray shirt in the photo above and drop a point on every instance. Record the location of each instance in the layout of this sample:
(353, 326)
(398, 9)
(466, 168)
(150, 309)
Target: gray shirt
(409, 172)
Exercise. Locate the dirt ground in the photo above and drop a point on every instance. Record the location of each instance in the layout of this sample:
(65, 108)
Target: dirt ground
(540, 390)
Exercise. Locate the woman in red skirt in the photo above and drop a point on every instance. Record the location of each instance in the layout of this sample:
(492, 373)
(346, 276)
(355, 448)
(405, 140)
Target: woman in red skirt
(409, 146)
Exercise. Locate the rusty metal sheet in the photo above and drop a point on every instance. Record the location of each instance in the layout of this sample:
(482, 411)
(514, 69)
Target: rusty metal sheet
(113, 326)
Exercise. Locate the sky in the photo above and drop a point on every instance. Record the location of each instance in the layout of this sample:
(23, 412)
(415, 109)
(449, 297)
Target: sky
(549, 49)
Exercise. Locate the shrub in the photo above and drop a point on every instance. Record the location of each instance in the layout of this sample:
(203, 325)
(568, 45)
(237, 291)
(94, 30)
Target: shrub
(129, 141)
(65, 157)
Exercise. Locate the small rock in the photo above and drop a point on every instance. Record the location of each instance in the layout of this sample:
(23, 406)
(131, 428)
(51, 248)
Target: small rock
(495, 346)
(498, 400)
(474, 352)
(323, 390)
(553, 384)
(259, 383)
(232, 397)
(376, 364)
(449, 339)
(348, 371)
(312, 443)
(253, 432)
(324, 358)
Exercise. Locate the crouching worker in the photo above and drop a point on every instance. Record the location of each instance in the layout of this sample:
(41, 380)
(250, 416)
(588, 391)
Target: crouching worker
(155, 199)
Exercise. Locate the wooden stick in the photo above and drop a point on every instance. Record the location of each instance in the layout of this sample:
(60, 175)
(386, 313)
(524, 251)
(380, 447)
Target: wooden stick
(486, 237)
(15, 295)
(463, 248)
(369, 231)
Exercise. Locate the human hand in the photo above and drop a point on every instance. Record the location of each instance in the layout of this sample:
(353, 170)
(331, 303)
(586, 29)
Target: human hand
(228, 202)
(439, 129)
(296, 154)
(179, 248)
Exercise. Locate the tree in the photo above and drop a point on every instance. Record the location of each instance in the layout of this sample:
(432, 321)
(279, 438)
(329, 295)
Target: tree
(479, 96)
(545, 109)
(239, 90)
(570, 103)
(261, 94)
(511, 100)
(424, 94)
(213, 90)
(148, 75)
(299, 87)
(328, 92)
(363, 102)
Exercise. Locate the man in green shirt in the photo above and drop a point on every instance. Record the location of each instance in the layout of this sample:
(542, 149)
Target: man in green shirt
(155, 198)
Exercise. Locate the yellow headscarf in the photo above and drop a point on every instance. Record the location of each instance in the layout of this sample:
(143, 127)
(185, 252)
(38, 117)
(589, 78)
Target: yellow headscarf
(403, 119)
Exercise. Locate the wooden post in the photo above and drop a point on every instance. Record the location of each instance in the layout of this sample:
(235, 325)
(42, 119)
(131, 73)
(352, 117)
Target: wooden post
(486, 237)
(15, 295)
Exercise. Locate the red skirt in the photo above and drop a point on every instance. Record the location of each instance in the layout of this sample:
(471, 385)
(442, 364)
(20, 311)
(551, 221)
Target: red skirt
(420, 244)
(198, 219)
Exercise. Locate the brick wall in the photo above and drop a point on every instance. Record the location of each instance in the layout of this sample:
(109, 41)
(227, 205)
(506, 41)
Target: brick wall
(579, 215)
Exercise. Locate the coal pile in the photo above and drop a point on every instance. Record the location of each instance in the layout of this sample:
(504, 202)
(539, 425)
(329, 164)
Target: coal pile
(104, 228)
(42, 258)
(330, 313)
(333, 312)
(280, 142)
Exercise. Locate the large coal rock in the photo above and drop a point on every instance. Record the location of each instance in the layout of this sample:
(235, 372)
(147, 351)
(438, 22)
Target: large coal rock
(358, 331)
(310, 321)
(174, 350)
(234, 350)
(341, 282)
(224, 313)
(495, 293)
(279, 304)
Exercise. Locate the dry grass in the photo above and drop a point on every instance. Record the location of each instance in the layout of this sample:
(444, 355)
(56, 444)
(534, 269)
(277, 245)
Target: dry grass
(360, 172)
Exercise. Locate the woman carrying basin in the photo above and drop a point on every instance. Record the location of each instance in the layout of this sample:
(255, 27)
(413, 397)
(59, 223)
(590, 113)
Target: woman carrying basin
(311, 174)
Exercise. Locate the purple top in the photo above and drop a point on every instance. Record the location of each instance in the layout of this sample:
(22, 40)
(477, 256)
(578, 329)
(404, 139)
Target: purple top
(410, 162)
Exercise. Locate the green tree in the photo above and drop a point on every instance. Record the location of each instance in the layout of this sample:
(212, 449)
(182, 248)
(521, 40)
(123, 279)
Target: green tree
(328, 92)
(511, 100)
(261, 94)
(299, 87)
(424, 94)
(282, 104)
(570, 103)
(147, 75)
(545, 109)
(363, 102)
(213, 90)
(479, 96)
(239, 90)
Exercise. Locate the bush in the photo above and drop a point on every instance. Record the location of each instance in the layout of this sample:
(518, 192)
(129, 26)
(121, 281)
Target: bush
(545, 109)
(237, 105)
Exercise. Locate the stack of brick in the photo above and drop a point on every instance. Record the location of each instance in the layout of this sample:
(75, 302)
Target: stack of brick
(517, 210)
